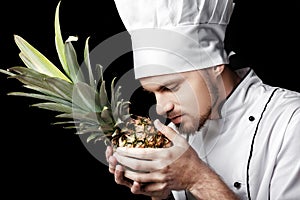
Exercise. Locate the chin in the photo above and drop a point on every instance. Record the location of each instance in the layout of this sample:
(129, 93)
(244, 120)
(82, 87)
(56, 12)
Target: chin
(185, 128)
(190, 126)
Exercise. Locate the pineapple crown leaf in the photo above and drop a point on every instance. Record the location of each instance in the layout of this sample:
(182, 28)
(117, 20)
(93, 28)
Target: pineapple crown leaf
(88, 118)
(33, 59)
(90, 130)
(23, 71)
(7, 72)
(75, 71)
(59, 44)
(99, 72)
(54, 107)
(86, 97)
(72, 39)
(65, 122)
(98, 137)
(106, 116)
(87, 63)
(92, 136)
(114, 96)
(48, 85)
(103, 95)
(41, 96)
(60, 87)
(41, 90)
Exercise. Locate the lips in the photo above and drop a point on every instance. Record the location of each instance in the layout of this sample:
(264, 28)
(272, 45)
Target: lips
(176, 119)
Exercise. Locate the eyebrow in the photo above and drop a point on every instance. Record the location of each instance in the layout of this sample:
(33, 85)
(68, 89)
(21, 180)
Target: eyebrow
(166, 84)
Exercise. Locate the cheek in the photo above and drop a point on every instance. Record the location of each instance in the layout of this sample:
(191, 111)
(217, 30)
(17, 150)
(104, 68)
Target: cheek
(196, 99)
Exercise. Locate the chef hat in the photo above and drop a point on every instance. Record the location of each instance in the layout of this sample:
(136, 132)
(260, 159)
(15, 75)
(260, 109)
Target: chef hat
(171, 36)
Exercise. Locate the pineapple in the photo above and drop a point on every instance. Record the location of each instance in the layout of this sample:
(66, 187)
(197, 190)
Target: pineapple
(81, 100)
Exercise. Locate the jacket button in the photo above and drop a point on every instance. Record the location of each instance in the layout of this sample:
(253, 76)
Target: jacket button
(251, 118)
(237, 185)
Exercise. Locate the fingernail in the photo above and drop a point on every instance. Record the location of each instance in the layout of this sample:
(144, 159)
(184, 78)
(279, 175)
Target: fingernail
(158, 125)
(119, 168)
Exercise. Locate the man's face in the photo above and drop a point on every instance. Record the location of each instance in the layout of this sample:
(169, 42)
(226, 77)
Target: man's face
(185, 98)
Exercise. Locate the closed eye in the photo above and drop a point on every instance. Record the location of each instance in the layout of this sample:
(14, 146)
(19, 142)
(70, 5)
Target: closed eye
(164, 89)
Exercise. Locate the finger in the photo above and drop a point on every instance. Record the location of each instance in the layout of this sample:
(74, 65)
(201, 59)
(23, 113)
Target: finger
(137, 164)
(150, 159)
(168, 131)
(159, 187)
(155, 198)
(119, 177)
(139, 153)
(112, 162)
(136, 188)
(155, 176)
(111, 170)
(158, 190)
(108, 152)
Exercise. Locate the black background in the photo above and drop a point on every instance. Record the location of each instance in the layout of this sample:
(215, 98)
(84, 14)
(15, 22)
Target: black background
(39, 160)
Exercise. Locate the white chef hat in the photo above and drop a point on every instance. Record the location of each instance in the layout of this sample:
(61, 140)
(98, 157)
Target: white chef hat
(171, 36)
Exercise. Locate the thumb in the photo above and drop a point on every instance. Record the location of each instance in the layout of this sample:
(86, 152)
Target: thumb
(166, 130)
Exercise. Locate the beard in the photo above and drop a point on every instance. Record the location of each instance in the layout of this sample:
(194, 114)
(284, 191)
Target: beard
(194, 124)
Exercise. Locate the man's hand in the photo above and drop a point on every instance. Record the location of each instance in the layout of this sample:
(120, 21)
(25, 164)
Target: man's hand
(116, 169)
(155, 172)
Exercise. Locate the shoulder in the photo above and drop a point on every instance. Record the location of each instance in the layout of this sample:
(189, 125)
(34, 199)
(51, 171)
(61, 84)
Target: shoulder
(285, 100)
(282, 112)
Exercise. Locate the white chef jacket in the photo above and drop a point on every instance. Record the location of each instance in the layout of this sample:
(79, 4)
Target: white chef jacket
(255, 146)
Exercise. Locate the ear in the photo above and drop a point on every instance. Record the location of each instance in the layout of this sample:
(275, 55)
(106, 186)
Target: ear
(217, 70)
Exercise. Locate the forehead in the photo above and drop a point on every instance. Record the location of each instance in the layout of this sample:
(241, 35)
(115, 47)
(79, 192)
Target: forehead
(162, 79)
(169, 79)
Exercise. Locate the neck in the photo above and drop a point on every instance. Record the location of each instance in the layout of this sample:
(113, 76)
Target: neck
(229, 80)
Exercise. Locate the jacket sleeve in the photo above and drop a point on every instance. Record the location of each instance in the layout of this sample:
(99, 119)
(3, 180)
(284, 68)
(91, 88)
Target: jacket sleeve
(285, 182)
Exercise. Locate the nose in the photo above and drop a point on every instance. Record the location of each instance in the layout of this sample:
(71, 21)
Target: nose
(163, 104)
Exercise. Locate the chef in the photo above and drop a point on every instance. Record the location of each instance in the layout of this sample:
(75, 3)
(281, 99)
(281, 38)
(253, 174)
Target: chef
(233, 136)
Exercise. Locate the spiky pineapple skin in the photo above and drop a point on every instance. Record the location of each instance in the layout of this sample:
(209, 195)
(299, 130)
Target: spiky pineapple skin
(139, 132)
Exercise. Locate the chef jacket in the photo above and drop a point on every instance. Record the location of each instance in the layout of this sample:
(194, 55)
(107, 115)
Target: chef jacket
(255, 146)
